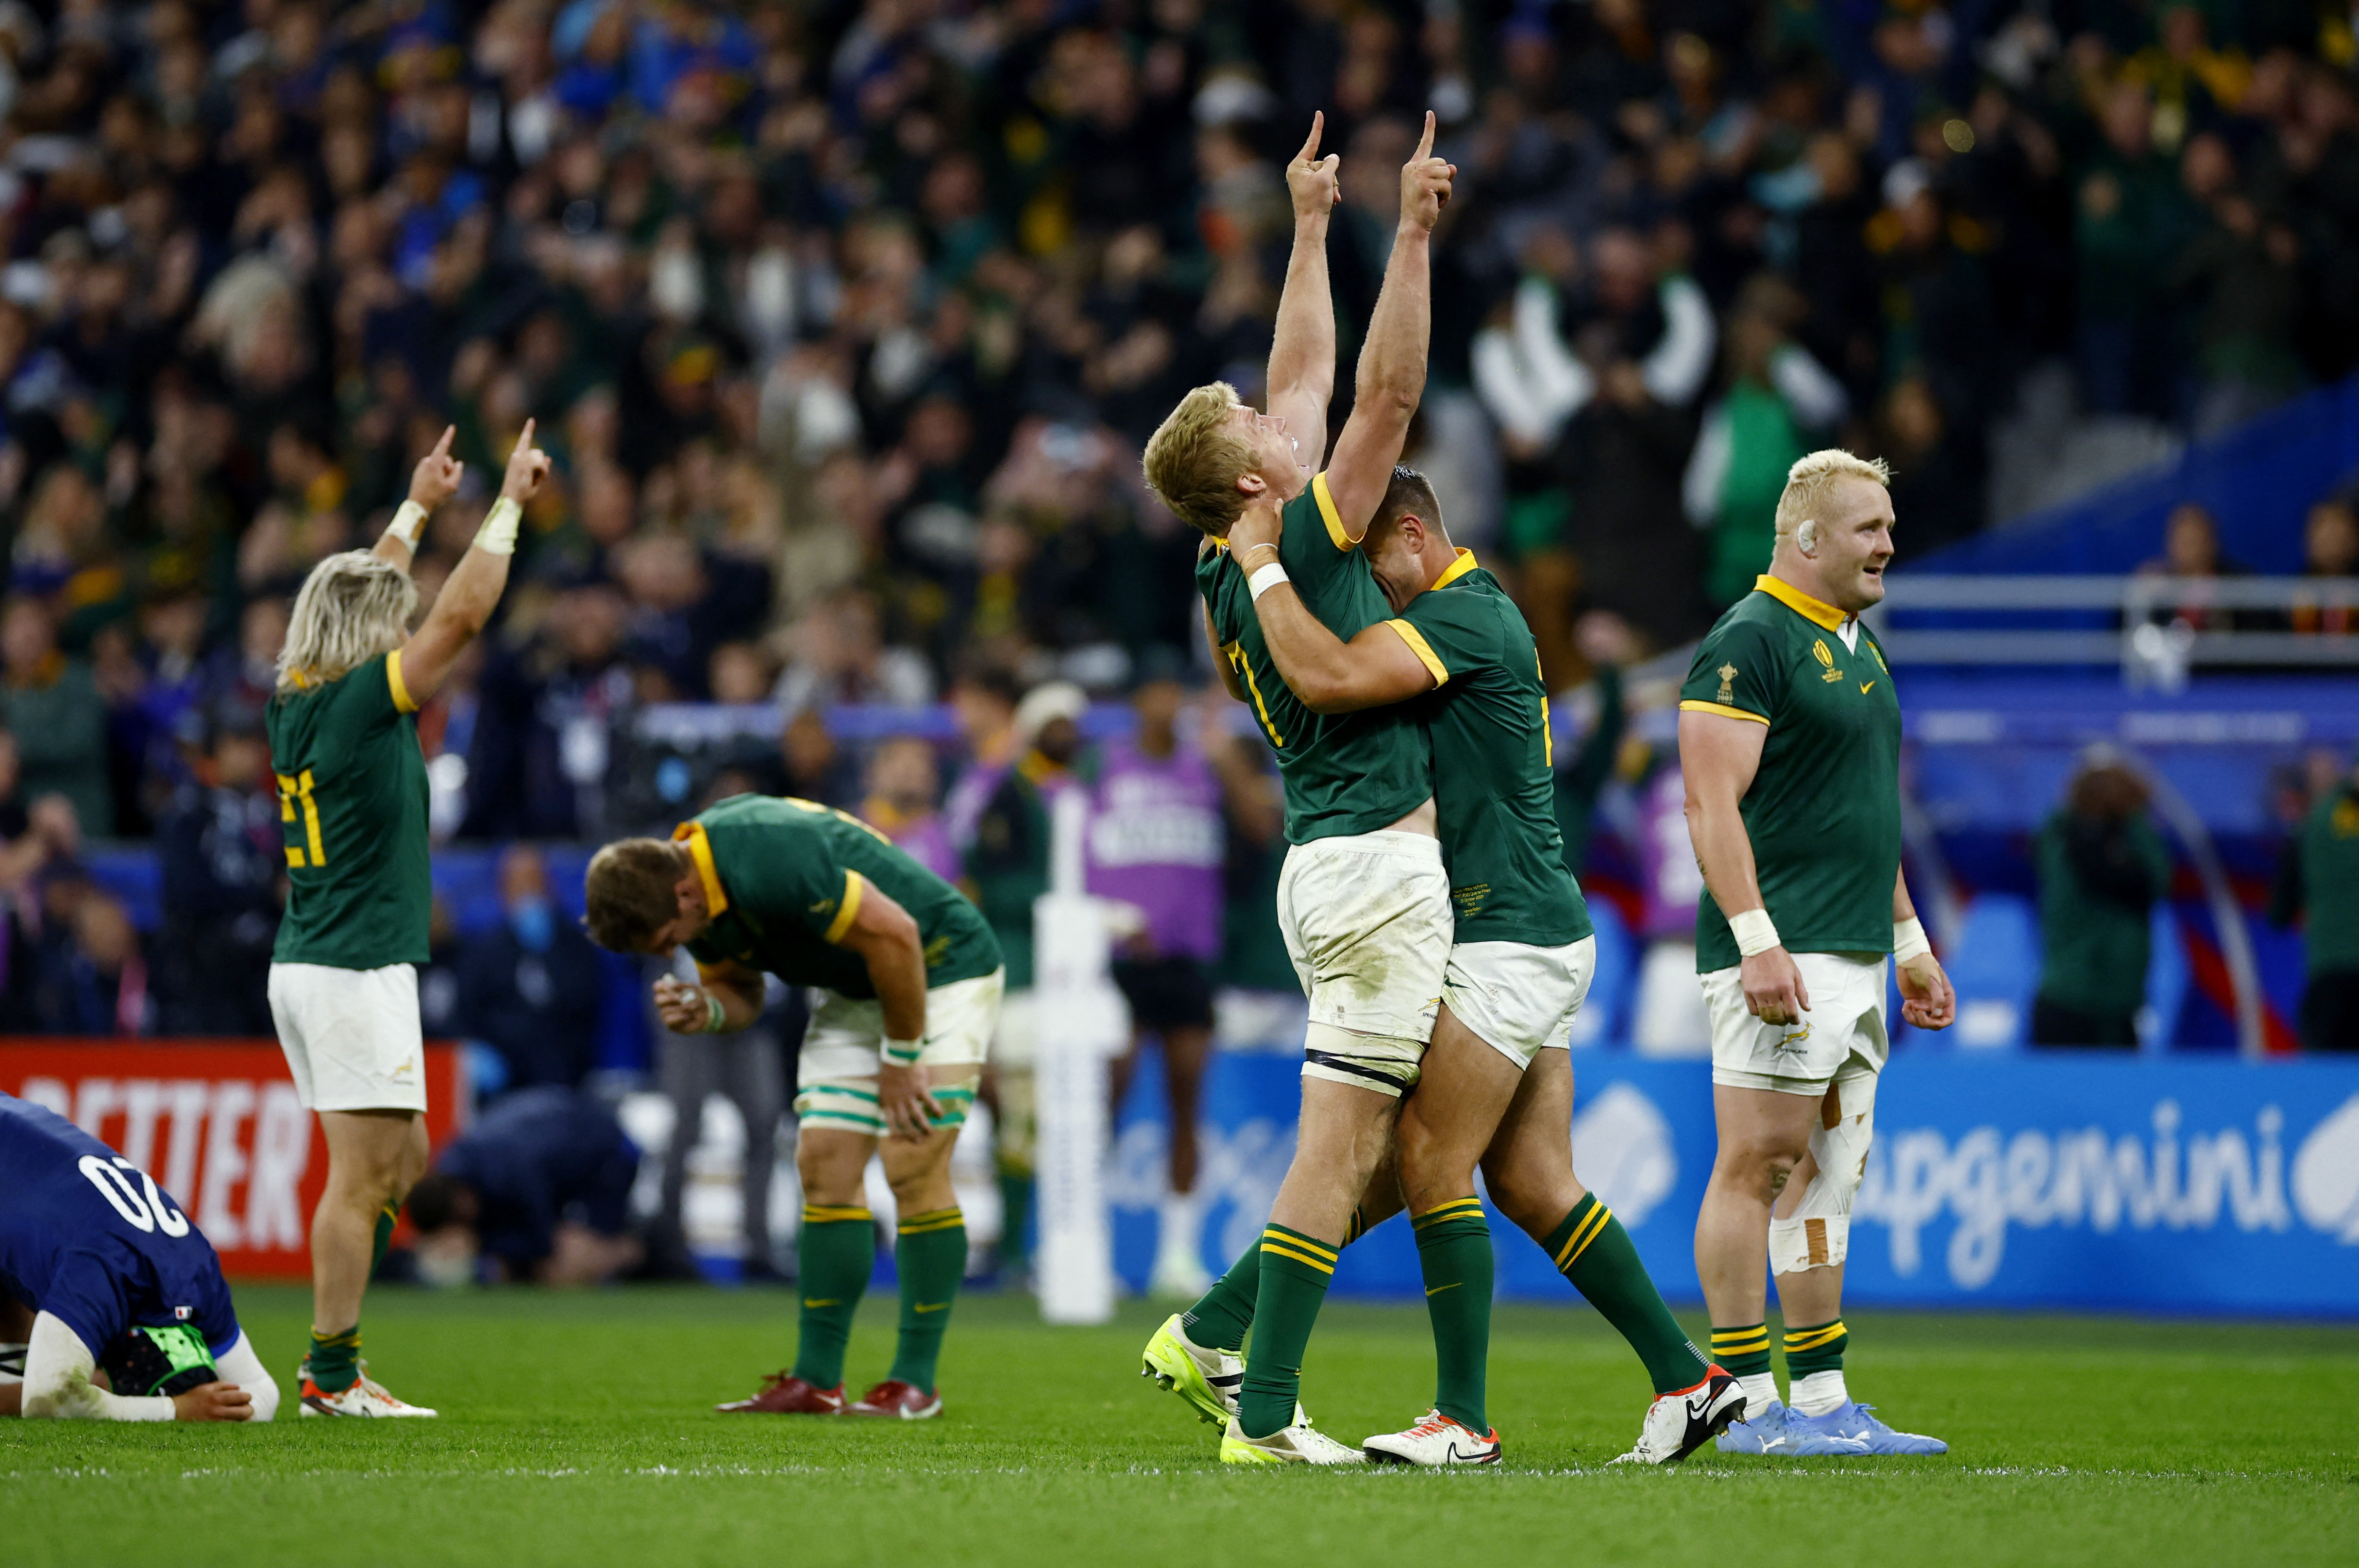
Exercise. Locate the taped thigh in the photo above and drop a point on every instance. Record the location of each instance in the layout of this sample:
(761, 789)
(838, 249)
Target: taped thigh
(1817, 1234)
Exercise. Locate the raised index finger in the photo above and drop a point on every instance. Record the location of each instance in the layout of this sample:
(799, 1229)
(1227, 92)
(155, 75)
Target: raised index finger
(1425, 146)
(442, 446)
(1309, 153)
(523, 441)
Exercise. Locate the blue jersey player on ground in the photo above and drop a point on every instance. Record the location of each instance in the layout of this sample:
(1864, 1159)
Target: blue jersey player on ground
(114, 1277)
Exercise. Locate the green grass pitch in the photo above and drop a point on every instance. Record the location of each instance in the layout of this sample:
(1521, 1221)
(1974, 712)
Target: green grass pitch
(576, 1430)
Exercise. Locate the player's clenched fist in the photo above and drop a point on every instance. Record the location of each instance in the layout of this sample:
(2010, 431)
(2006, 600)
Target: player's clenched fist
(1312, 179)
(213, 1401)
(1425, 182)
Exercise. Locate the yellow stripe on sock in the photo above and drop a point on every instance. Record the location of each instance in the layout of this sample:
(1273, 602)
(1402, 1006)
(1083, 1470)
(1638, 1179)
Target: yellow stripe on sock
(1578, 1242)
(1456, 1208)
(928, 1226)
(819, 1213)
(1739, 1344)
(1268, 1246)
(1307, 1244)
(1812, 1338)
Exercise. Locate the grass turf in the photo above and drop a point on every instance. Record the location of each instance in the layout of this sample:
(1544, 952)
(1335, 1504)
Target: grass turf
(577, 1430)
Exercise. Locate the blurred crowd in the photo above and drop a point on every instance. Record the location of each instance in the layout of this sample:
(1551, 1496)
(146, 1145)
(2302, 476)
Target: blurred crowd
(846, 321)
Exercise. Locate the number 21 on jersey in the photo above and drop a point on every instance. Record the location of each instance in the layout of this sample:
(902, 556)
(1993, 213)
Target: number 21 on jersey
(292, 791)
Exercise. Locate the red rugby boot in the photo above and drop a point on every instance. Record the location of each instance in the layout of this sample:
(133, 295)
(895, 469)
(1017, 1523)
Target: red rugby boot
(785, 1394)
(896, 1398)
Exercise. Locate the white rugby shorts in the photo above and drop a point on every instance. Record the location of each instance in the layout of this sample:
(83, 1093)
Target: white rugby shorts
(835, 1078)
(1366, 920)
(1517, 999)
(1841, 1036)
(352, 1036)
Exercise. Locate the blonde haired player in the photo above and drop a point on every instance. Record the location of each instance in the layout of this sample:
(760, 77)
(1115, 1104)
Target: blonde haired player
(352, 792)
(1789, 744)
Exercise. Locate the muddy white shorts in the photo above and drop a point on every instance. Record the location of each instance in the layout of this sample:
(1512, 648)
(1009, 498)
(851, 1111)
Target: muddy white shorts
(352, 1036)
(1841, 1036)
(1517, 999)
(1368, 921)
(835, 1078)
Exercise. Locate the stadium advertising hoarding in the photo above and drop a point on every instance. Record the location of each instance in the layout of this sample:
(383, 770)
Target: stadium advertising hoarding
(217, 1124)
(2139, 1184)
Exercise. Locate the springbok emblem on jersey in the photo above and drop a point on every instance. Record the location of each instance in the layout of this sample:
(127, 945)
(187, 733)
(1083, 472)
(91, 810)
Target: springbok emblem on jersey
(1827, 659)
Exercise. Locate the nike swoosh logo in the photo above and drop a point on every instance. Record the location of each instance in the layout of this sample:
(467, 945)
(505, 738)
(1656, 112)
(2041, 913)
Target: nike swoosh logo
(1862, 691)
(931, 1306)
(1439, 1289)
(831, 1301)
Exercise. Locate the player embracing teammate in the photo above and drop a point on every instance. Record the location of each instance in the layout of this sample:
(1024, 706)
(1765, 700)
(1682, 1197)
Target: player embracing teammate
(1333, 598)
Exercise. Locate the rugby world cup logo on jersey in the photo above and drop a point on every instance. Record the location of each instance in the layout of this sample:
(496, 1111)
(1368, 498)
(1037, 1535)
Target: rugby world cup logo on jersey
(1826, 658)
(2178, 1175)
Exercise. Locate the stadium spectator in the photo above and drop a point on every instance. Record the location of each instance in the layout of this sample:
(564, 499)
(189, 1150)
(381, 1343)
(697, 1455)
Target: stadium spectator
(1582, 771)
(2329, 550)
(1253, 949)
(538, 1189)
(904, 783)
(2318, 884)
(224, 881)
(530, 989)
(1155, 845)
(52, 706)
(2101, 866)
(812, 766)
(91, 964)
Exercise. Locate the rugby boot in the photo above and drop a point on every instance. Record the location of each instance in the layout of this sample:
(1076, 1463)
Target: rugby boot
(1286, 1445)
(783, 1394)
(1679, 1423)
(1433, 1441)
(1858, 1423)
(896, 1398)
(1782, 1433)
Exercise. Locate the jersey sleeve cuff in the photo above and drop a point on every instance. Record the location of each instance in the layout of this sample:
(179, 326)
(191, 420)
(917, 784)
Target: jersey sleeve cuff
(848, 911)
(1423, 650)
(1692, 706)
(402, 701)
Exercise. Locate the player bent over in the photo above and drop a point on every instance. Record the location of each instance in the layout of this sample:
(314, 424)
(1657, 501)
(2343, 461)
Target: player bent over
(1363, 901)
(100, 1270)
(1789, 744)
(1497, 1084)
(352, 808)
(908, 979)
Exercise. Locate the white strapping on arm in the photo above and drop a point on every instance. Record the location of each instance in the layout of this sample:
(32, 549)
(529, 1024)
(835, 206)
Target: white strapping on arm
(408, 525)
(1267, 577)
(58, 1368)
(497, 537)
(1754, 931)
(241, 1367)
(1909, 940)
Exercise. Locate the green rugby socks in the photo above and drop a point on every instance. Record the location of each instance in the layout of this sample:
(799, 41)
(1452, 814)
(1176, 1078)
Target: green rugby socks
(1815, 1372)
(836, 1251)
(1453, 1250)
(1295, 1272)
(1220, 1320)
(335, 1360)
(1591, 1248)
(1744, 1355)
(929, 1255)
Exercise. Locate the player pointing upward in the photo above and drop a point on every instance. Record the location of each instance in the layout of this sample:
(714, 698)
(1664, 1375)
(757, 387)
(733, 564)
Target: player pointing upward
(352, 790)
(1363, 901)
(1790, 742)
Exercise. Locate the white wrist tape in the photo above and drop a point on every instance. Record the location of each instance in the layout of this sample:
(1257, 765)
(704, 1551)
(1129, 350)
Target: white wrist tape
(409, 524)
(497, 537)
(1267, 577)
(1754, 931)
(1909, 940)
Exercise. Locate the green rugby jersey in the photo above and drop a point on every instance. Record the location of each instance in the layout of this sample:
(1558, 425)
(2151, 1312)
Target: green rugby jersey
(1344, 772)
(1494, 759)
(779, 879)
(352, 811)
(1823, 813)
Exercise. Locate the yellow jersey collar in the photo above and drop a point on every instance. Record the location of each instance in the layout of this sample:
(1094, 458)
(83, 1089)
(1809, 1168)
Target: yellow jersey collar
(700, 850)
(1458, 568)
(1800, 603)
